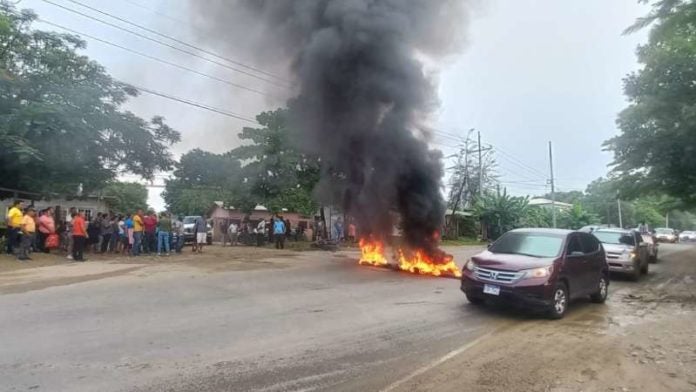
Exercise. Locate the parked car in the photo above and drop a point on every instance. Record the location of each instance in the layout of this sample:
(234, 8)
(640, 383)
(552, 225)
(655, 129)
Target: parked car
(687, 236)
(189, 234)
(542, 268)
(663, 234)
(625, 250)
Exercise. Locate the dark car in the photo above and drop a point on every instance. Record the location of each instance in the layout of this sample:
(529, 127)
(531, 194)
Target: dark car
(626, 251)
(541, 268)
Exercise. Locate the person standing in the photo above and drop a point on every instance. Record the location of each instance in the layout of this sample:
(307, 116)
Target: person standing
(233, 233)
(47, 226)
(79, 234)
(164, 226)
(150, 230)
(352, 231)
(288, 230)
(94, 233)
(178, 230)
(72, 212)
(137, 232)
(279, 232)
(200, 228)
(115, 235)
(28, 229)
(14, 226)
(107, 231)
(260, 232)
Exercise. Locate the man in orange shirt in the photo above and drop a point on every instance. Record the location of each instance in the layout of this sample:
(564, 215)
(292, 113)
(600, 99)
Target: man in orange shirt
(79, 236)
(28, 228)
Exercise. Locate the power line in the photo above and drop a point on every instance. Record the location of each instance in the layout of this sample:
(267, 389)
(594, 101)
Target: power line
(154, 58)
(520, 162)
(157, 33)
(192, 103)
(135, 33)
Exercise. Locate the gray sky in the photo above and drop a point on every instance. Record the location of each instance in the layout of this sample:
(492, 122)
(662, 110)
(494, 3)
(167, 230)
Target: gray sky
(533, 71)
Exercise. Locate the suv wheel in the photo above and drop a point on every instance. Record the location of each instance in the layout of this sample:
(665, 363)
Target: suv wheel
(602, 291)
(635, 275)
(560, 301)
(474, 300)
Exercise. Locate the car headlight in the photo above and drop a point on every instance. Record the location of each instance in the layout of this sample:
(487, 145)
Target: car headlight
(541, 272)
(470, 265)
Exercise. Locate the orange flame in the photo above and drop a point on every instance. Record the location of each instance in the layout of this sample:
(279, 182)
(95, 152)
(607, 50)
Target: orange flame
(372, 253)
(418, 262)
(421, 263)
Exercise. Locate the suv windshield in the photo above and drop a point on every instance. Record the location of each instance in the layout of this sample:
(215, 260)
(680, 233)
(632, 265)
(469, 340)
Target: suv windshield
(664, 231)
(528, 244)
(190, 219)
(614, 237)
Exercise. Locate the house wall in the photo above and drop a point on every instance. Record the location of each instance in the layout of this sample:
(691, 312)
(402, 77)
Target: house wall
(221, 218)
(91, 206)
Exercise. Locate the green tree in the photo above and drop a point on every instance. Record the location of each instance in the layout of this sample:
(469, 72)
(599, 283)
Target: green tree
(656, 149)
(501, 212)
(125, 197)
(276, 174)
(61, 122)
(201, 178)
(576, 217)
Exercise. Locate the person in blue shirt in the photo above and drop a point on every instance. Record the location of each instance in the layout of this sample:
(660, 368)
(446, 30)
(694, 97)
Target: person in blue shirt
(279, 232)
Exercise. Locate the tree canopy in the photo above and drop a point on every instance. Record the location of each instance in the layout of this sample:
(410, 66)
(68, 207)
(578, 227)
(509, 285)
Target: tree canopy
(656, 149)
(61, 117)
(125, 197)
(201, 178)
(266, 170)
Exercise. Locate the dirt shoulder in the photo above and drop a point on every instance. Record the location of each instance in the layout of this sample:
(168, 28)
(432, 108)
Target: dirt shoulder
(48, 270)
(641, 340)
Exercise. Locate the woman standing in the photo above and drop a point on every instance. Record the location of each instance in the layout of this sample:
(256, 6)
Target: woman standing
(47, 226)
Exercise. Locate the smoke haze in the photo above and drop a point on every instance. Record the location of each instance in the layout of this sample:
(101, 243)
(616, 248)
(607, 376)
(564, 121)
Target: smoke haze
(362, 95)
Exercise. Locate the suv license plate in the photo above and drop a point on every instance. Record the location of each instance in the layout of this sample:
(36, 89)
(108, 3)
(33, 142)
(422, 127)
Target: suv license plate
(491, 289)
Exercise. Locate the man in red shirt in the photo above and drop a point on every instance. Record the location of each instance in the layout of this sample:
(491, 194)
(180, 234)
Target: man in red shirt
(150, 227)
(79, 235)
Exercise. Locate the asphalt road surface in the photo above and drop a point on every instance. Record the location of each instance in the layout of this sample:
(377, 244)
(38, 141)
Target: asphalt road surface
(317, 322)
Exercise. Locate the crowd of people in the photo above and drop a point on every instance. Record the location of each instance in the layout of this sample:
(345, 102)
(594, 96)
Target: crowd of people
(74, 233)
(127, 234)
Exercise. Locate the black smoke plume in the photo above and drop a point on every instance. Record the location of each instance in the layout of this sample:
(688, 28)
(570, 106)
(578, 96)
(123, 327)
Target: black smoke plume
(362, 96)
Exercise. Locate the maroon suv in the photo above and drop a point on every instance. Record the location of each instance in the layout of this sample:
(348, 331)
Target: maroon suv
(543, 268)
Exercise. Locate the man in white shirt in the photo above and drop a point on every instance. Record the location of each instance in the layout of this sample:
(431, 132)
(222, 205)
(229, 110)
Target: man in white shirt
(232, 233)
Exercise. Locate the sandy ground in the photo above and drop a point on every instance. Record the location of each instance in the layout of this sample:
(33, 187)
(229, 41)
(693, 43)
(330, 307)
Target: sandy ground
(249, 319)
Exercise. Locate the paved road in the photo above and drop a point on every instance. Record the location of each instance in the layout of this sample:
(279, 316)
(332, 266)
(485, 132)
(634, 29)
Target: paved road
(319, 323)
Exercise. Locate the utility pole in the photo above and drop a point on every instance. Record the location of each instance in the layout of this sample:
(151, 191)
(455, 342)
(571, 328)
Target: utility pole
(480, 165)
(667, 220)
(618, 202)
(553, 187)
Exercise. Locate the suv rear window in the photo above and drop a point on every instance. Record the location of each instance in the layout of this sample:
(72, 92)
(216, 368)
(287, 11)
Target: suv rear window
(528, 244)
(615, 237)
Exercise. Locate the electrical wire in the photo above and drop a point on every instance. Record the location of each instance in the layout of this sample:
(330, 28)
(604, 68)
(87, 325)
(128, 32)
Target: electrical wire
(157, 33)
(135, 33)
(154, 58)
(192, 103)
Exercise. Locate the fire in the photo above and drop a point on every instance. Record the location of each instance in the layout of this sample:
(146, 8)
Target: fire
(417, 262)
(372, 253)
(421, 263)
